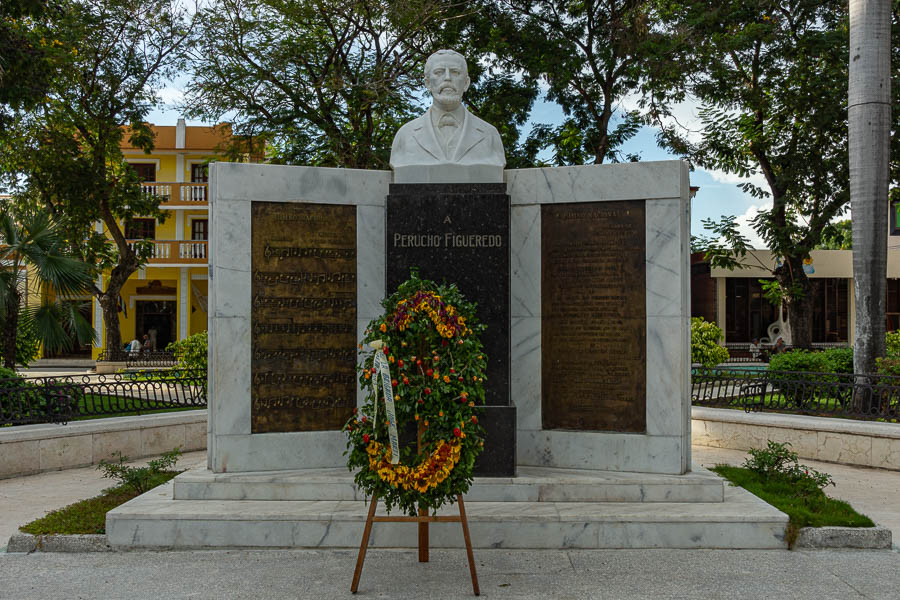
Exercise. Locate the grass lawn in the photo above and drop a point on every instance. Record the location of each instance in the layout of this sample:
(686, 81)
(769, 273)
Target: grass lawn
(106, 405)
(813, 510)
(88, 516)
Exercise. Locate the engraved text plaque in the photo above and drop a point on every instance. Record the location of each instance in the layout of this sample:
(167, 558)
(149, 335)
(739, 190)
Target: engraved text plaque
(303, 316)
(593, 316)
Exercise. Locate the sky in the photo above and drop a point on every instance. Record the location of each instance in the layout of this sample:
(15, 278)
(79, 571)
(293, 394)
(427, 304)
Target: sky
(718, 195)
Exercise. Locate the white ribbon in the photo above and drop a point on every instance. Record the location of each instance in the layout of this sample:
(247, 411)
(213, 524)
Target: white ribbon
(382, 368)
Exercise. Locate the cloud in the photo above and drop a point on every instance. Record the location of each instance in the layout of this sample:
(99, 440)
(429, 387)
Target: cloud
(746, 228)
(171, 95)
(756, 178)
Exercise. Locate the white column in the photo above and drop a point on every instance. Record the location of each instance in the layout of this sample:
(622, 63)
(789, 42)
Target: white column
(184, 309)
(720, 306)
(98, 317)
(179, 168)
(98, 310)
(179, 224)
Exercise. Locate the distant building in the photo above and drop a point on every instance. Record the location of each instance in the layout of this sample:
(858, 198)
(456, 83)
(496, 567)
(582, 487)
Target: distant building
(735, 300)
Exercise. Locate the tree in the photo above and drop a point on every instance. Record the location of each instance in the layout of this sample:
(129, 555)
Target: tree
(590, 55)
(869, 113)
(24, 54)
(64, 152)
(837, 236)
(327, 83)
(33, 240)
(769, 75)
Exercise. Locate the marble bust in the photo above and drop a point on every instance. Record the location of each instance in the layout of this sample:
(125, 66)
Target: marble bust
(447, 144)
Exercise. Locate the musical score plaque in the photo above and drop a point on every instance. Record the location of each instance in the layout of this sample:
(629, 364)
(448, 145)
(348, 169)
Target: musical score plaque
(593, 303)
(303, 316)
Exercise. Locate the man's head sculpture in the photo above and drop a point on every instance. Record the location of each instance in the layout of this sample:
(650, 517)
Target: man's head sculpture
(447, 78)
(447, 144)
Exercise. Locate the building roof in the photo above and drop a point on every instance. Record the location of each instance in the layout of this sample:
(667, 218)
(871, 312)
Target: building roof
(196, 138)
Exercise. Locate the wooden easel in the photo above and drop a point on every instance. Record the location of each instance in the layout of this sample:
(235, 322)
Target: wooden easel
(423, 519)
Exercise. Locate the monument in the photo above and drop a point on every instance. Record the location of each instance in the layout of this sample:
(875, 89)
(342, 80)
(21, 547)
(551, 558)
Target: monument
(447, 214)
(581, 274)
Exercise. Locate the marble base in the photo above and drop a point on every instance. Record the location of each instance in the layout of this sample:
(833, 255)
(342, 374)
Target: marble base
(157, 521)
(533, 484)
(499, 459)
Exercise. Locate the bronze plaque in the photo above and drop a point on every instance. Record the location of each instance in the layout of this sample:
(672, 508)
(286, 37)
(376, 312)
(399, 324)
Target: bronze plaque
(593, 319)
(303, 316)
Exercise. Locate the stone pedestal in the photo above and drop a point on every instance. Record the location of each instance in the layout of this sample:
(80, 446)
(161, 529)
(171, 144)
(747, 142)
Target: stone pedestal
(459, 233)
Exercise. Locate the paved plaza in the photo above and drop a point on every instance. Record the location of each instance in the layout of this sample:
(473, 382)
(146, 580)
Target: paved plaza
(320, 574)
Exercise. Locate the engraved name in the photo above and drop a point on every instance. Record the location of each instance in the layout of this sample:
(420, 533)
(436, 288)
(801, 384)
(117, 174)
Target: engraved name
(266, 377)
(306, 353)
(447, 240)
(260, 301)
(274, 278)
(282, 252)
(302, 402)
(299, 328)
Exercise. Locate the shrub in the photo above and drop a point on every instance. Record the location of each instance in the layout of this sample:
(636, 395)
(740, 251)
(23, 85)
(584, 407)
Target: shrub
(799, 360)
(705, 348)
(777, 462)
(838, 360)
(8, 374)
(140, 479)
(892, 343)
(28, 346)
(191, 352)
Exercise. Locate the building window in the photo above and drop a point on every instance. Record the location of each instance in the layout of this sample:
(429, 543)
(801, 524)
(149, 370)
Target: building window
(199, 173)
(140, 229)
(145, 171)
(200, 230)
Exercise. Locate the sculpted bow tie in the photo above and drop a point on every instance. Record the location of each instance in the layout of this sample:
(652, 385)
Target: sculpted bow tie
(447, 120)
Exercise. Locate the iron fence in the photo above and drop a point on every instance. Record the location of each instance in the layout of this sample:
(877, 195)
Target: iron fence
(869, 397)
(62, 399)
(144, 359)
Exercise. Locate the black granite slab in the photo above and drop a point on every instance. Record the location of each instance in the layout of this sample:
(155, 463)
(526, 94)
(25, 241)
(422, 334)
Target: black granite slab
(459, 233)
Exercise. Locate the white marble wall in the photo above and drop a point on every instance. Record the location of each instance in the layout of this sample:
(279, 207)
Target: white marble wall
(232, 188)
(665, 446)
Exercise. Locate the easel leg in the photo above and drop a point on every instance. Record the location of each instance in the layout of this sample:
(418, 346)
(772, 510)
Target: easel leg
(423, 536)
(465, 527)
(363, 546)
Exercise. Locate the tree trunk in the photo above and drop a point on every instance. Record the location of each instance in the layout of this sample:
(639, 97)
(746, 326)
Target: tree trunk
(869, 117)
(109, 303)
(10, 325)
(800, 306)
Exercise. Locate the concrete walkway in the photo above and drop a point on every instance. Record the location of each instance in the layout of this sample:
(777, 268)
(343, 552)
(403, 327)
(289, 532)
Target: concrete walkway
(396, 575)
(539, 574)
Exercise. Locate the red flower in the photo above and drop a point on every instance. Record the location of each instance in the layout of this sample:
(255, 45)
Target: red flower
(453, 370)
(474, 419)
(427, 390)
(394, 382)
(366, 438)
(363, 418)
(459, 379)
(386, 351)
(429, 372)
(457, 432)
(406, 380)
(400, 363)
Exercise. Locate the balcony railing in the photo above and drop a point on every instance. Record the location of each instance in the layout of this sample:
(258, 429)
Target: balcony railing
(172, 252)
(177, 194)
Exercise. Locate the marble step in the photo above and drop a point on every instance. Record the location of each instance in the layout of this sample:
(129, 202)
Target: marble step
(533, 484)
(156, 520)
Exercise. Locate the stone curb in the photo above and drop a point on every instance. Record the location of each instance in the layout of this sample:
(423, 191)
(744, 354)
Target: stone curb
(844, 537)
(25, 542)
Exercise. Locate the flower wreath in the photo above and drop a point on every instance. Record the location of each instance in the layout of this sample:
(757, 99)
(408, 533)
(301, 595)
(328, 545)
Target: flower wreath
(437, 365)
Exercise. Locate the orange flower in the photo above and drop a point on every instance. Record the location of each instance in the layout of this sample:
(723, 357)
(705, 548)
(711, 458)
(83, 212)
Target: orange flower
(446, 379)
(383, 328)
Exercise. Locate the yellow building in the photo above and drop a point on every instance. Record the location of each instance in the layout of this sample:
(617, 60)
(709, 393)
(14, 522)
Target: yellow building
(167, 298)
